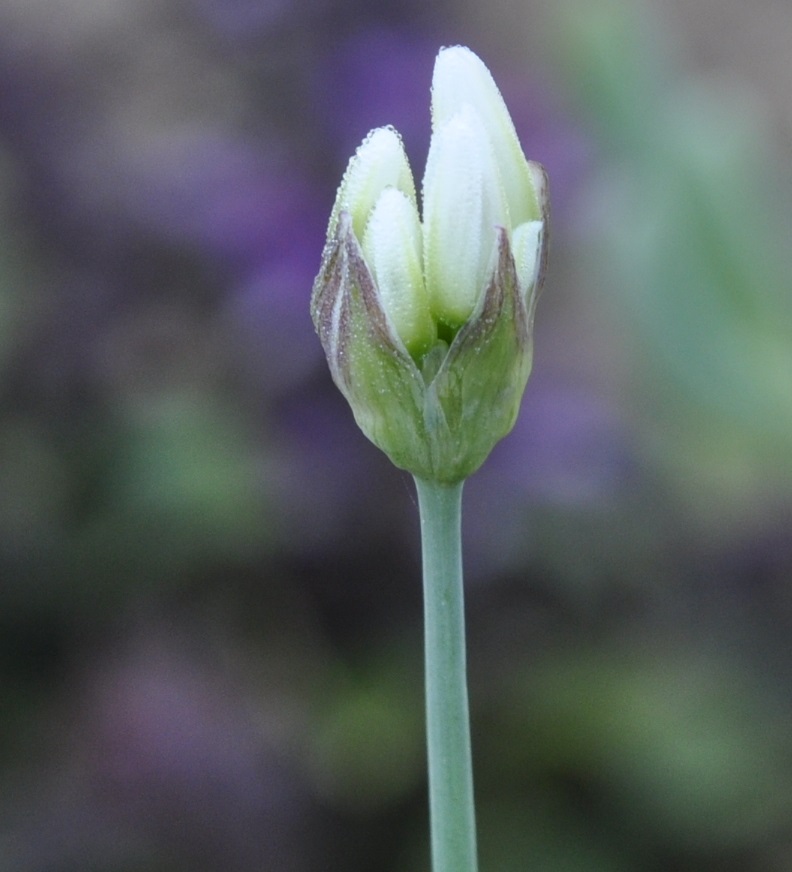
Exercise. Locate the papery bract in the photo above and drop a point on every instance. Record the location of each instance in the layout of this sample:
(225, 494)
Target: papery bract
(427, 324)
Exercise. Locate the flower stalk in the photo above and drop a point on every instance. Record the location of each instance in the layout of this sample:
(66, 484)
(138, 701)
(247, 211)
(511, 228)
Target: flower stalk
(451, 804)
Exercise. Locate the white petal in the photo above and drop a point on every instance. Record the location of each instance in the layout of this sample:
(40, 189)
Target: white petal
(392, 247)
(526, 247)
(461, 77)
(379, 162)
(463, 203)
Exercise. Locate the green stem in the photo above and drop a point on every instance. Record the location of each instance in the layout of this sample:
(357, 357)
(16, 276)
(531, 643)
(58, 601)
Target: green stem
(451, 808)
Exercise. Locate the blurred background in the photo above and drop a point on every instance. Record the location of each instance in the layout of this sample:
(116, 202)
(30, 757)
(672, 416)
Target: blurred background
(210, 605)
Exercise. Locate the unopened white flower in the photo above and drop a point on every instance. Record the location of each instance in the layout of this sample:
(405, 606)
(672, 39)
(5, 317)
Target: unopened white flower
(527, 251)
(464, 202)
(477, 179)
(379, 163)
(460, 78)
(392, 248)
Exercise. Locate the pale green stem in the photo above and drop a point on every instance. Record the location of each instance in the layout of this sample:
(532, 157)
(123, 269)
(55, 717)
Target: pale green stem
(451, 808)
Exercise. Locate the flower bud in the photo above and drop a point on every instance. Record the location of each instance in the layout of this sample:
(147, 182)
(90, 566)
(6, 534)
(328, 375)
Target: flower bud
(427, 324)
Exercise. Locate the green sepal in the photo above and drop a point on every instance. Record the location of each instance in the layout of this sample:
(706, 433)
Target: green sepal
(368, 362)
(442, 430)
(474, 399)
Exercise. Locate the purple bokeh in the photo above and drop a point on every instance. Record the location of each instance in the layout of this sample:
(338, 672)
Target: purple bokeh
(174, 750)
(373, 78)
